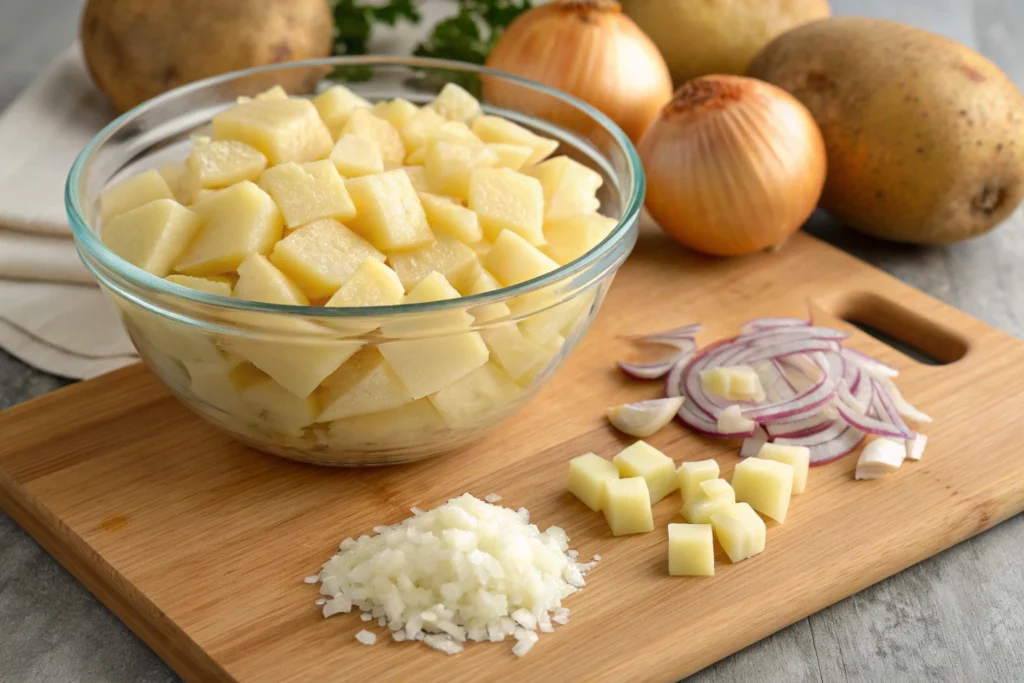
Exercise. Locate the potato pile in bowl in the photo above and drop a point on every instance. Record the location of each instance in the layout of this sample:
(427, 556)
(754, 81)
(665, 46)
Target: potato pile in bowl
(336, 202)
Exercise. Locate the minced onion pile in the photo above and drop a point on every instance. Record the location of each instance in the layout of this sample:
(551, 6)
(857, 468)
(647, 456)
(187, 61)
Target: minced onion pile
(817, 392)
(466, 570)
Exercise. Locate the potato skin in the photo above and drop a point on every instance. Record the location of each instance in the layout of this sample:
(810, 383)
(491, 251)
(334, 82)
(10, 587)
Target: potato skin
(137, 49)
(924, 136)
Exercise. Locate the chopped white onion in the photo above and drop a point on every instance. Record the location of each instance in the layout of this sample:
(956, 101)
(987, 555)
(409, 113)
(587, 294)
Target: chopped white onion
(366, 638)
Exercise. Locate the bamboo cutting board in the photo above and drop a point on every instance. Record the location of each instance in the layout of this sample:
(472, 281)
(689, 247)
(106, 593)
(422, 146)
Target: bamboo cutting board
(200, 544)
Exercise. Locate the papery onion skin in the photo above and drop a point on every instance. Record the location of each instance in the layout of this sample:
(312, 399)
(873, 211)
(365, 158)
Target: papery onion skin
(586, 48)
(734, 165)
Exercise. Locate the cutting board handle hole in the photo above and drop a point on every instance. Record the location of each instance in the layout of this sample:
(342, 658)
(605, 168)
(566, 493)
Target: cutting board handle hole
(907, 331)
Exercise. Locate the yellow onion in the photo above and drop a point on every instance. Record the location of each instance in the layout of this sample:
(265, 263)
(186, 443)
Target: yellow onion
(587, 48)
(733, 165)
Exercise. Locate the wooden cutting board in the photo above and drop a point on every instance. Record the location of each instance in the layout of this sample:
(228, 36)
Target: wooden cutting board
(200, 544)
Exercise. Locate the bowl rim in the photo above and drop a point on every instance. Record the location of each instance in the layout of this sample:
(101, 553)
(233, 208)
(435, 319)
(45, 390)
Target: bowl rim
(89, 244)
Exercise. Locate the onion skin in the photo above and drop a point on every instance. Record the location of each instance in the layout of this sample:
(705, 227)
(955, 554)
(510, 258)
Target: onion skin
(734, 165)
(587, 48)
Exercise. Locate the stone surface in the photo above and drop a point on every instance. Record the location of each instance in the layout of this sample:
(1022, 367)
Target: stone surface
(955, 617)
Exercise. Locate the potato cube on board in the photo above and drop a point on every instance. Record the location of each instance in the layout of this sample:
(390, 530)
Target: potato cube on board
(429, 365)
(691, 550)
(450, 218)
(627, 506)
(402, 427)
(507, 200)
(364, 123)
(283, 130)
(356, 156)
(497, 129)
(363, 384)
(691, 474)
(416, 130)
(335, 105)
(389, 214)
(259, 280)
(510, 156)
(739, 531)
(797, 457)
(455, 104)
(520, 357)
(152, 236)
(321, 256)
(397, 112)
(588, 474)
(202, 284)
(220, 163)
(434, 287)
(712, 495)
(235, 222)
(271, 404)
(450, 164)
(570, 188)
(133, 193)
(308, 192)
(570, 238)
(464, 402)
(447, 256)
(513, 259)
(644, 460)
(766, 484)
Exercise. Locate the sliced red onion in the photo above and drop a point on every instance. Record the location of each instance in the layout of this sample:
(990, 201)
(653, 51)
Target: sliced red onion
(826, 333)
(807, 426)
(751, 446)
(846, 397)
(869, 424)
(703, 425)
(684, 332)
(673, 383)
(843, 444)
(816, 397)
(773, 323)
(871, 365)
(886, 411)
(659, 368)
(903, 407)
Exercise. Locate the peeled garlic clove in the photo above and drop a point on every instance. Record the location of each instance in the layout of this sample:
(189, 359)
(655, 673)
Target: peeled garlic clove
(646, 417)
(879, 458)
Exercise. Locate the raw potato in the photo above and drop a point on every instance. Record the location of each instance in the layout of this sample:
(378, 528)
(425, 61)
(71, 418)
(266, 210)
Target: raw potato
(925, 137)
(133, 193)
(283, 130)
(657, 469)
(691, 550)
(152, 236)
(627, 506)
(588, 475)
(465, 402)
(321, 256)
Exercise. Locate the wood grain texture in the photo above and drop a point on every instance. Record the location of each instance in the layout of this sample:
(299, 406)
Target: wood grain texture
(199, 544)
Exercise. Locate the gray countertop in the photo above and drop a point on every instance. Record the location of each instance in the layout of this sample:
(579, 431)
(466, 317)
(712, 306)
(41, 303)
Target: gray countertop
(955, 617)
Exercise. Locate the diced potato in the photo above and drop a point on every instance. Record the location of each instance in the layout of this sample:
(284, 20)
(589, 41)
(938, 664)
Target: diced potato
(522, 358)
(449, 166)
(588, 474)
(283, 130)
(418, 178)
(455, 131)
(388, 214)
(481, 284)
(570, 188)
(497, 129)
(335, 105)
(510, 156)
(739, 531)
(364, 123)
(397, 112)
(512, 260)
(220, 163)
(446, 256)
(202, 284)
(718, 489)
(274, 93)
(416, 158)
(356, 156)
(426, 366)
(766, 484)
(259, 280)
(279, 409)
(738, 383)
(373, 284)
(561, 319)
(308, 192)
(627, 506)
(455, 104)
(691, 474)
(409, 425)
(444, 215)
(220, 384)
(712, 496)
(176, 175)
(797, 457)
(433, 287)
(417, 130)
(237, 221)
(506, 200)
(464, 402)
(691, 550)
(321, 256)
(133, 193)
(363, 384)
(154, 235)
(570, 238)
(657, 469)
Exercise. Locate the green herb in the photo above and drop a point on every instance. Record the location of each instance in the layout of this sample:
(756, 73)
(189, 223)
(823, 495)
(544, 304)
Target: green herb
(353, 24)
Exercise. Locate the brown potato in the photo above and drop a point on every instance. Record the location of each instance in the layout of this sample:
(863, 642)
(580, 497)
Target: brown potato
(925, 137)
(137, 49)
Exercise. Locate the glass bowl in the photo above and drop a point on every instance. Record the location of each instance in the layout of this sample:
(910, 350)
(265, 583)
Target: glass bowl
(318, 384)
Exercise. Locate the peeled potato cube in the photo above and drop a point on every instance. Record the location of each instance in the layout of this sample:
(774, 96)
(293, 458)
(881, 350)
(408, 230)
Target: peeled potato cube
(335, 105)
(570, 188)
(235, 222)
(506, 200)
(220, 163)
(416, 159)
(259, 280)
(152, 236)
(364, 123)
(691, 474)
(570, 238)
(220, 384)
(797, 457)
(739, 531)
(373, 284)
(560, 319)
(408, 425)
(657, 469)
(202, 284)
(271, 403)
(177, 177)
(520, 357)
(416, 130)
(283, 130)
(388, 214)
(444, 215)
(464, 402)
(513, 260)
(397, 112)
(429, 365)
(356, 156)
(718, 489)
(627, 506)
(321, 256)
(510, 156)
(308, 192)
(699, 510)
(433, 287)
(482, 283)
(454, 103)
(363, 384)
(455, 131)
(736, 383)
(449, 166)
(446, 256)
(497, 129)
(765, 484)
(691, 550)
(133, 193)
(417, 178)
(588, 474)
